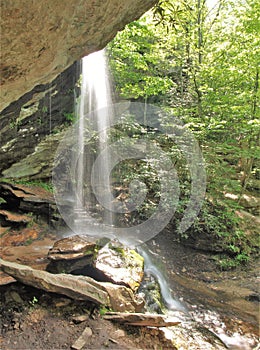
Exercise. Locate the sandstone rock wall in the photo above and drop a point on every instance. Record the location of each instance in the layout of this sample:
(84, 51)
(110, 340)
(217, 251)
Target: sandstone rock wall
(40, 39)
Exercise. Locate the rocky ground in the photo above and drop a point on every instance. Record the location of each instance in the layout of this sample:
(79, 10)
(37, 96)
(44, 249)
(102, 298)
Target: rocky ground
(214, 301)
(236, 288)
(33, 319)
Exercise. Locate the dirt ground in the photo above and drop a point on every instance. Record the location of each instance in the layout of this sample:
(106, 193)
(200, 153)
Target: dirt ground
(36, 320)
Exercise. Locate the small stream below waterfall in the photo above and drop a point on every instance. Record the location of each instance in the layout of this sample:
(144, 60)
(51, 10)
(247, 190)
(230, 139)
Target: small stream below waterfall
(217, 308)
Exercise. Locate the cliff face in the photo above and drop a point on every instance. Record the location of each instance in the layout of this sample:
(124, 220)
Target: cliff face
(40, 39)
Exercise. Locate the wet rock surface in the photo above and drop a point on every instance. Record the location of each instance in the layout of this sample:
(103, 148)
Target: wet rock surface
(224, 302)
(191, 335)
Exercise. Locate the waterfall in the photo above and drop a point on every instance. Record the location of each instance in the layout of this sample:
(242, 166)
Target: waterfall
(150, 268)
(95, 106)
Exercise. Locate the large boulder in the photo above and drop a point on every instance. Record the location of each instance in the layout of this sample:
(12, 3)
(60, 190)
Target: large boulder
(40, 39)
(110, 262)
(70, 254)
(119, 298)
(120, 265)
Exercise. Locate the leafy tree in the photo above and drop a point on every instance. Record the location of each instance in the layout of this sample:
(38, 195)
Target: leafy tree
(202, 64)
(139, 64)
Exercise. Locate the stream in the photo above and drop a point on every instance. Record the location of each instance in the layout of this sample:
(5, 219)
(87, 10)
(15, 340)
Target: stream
(215, 309)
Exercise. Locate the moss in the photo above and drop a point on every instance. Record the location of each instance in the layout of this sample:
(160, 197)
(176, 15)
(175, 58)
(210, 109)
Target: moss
(29, 241)
(118, 249)
(137, 256)
(45, 185)
(90, 251)
(2, 200)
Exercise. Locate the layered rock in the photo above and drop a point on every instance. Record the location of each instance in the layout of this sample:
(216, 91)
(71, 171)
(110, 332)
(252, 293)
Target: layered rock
(31, 128)
(40, 39)
(73, 247)
(113, 262)
(70, 254)
(24, 199)
(118, 297)
(7, 218)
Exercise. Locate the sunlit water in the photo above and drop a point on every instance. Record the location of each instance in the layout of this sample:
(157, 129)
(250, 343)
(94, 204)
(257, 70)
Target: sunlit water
(95, 105)
(150, 268)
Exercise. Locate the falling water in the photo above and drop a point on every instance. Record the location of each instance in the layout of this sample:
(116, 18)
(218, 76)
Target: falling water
(95, 105)
(150, 268)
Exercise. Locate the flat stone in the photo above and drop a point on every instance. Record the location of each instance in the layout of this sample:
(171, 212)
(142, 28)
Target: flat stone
(140, 319)
(118, 297)
(119, 333)
(80, 318)
(6, 279)
(82, 340)
(75, 287)
(71, 248)
(13, 296)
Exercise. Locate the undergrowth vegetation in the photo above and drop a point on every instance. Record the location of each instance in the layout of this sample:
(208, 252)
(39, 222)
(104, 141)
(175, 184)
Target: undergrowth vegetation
(199, 64)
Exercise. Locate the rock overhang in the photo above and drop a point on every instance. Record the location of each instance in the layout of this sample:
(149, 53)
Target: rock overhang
(40, 39)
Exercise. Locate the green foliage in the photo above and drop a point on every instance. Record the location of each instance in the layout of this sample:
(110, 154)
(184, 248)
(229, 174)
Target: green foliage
(226, 262)
(135, 55)
(2, 200)
(45, 185)
(202, 65)
(44, 109)
(104, 309)
(34, 301)
(28, 241)
(70, 117)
